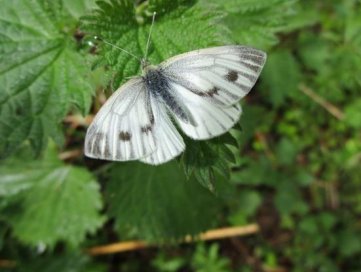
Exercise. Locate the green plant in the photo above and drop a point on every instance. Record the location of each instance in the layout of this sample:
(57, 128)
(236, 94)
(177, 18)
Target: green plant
(208, 259)
(291, 164)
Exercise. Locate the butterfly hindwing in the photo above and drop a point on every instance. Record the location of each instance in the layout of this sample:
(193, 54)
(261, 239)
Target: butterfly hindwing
(169, 142)
(212, 120)
(123, 129)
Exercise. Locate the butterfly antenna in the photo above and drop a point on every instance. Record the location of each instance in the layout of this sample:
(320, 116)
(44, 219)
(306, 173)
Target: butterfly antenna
(113, 45)
(150, 33)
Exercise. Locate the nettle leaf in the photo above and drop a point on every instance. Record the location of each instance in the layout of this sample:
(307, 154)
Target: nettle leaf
(304, 13)
(286, 152)
(49, 201)
(281, 77)
(78, 8)
(353, 114)
(256, 172)
(158, 202)
(210, 160)
(69, 262)
(253, 120)
(256, 23)
(248, 203)
(180, 26)
(288, 199)
(41, 73)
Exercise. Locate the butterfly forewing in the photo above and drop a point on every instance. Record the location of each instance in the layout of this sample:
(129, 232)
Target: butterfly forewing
(222, 75)
(211, 82)
(123, 129)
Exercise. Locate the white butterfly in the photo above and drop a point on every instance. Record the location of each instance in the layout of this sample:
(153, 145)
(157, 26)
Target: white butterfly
(199, 90)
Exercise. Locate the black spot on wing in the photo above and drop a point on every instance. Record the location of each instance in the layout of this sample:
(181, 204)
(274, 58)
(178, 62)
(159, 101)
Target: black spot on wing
(232, 76)
(210, 92)
(213, 91)
(184, 82)
(125, 136)
(146, 129)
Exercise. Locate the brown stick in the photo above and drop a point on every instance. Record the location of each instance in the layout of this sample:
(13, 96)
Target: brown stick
(135, 245)
(77, 120)
(209, 235)
(332, 109)
(70, 154)
(7, 264)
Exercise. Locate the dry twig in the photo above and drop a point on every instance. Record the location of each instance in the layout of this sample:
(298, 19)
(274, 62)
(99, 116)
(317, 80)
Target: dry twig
(7, 264)
(70, 154)
(332, 109)
(136, 245)
(77, 120)
(209, 235)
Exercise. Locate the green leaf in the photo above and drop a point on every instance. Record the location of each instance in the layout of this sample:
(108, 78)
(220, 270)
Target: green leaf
(165, 264)
(256, 23)
(209, 259)
(253, 120)
(352, 21)
(209, 161)
(248, 203)
(303, 14)
(41, 73)
(353, 114)
(288, 199)
(286, 152)
(349, 244)
(49, 201)
(180, 26)
(158, 202)
(255, 172)
(77, 8)
(281, 77)
(315, 51)
(69, 262)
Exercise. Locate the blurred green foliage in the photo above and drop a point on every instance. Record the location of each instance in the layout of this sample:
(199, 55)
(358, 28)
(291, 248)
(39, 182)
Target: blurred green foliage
(292, 164)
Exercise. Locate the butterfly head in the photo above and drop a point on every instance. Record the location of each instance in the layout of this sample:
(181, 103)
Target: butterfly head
(146, 66)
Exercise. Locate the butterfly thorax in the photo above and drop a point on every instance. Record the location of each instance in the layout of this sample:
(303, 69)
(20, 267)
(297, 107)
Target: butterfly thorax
(156, 81)
(159, 85)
